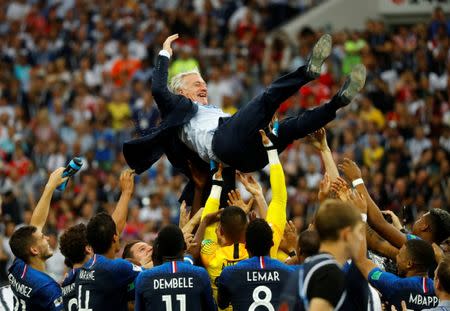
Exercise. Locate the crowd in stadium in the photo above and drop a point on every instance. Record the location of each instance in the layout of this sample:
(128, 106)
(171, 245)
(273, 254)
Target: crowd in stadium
(76, 80)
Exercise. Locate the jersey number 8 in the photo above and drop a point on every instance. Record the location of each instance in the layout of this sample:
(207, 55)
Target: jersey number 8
(262, 302)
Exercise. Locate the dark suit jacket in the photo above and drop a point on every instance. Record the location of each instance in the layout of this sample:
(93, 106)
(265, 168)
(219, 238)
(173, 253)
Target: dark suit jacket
(176, 110)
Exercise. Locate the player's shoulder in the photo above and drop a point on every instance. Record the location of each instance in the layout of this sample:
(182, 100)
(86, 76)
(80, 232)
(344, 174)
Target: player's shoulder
(70, 277)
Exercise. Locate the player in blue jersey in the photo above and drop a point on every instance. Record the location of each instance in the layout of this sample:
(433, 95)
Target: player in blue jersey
(33, 289)
(174, 284)
(255, 283)
(74, 245)
(412, 284)
(103, 282)
(433, 226)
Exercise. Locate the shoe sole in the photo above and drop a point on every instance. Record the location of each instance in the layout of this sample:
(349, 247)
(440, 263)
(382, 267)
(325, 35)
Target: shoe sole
(357, 81)
(320, 52)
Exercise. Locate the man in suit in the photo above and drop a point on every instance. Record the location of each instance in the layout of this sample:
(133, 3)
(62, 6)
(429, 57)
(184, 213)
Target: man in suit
(192, 129)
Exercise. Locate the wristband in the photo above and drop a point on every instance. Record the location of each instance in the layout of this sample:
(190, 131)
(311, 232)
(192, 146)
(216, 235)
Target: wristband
(358, 181)
(292, 254)
(364, 217)
(217, 182)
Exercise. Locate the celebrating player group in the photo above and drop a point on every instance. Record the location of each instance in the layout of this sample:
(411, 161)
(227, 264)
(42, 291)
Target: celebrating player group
(226, 253)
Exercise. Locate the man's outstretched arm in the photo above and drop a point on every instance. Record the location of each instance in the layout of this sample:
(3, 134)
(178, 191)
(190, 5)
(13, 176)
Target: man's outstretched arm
(40, 212)
(374, 216)
(121, 211)
(276, 213)
(319, 140)
(165, 99)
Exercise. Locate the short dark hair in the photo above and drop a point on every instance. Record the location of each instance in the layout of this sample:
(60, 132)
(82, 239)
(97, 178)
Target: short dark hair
(127, 253)
(169, 244)
(421, 253)
(443, 273)
(308, 243)
(440, 224)
(100, 232)
(333, 216)
(258, 238)
(73, 242)
(21, 241)
(233, 222)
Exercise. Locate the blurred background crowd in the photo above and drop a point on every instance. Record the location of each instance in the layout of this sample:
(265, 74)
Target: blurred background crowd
(75, 81)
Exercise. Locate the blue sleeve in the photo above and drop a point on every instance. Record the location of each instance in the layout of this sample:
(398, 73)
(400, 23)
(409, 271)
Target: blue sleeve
(223, 292)
(386, 283)
(125, 271)
(50, 297)
(207, 297)
(138, 303)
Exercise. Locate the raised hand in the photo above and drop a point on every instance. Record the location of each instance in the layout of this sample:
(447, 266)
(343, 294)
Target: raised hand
(350, 169)
(235, 199)
(184, 215)
(340, 187)
(357, 200)
(395, 220)
(324, 187)
(127, 181)
(265, 140)
(250, 183)
(167, 45)
(319, 139)
(218, 174)
(289, 241)
(199, 176)
(56, 178)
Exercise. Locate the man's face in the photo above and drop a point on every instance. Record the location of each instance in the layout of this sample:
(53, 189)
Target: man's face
(194, 88)
(142, 252)
(41, 247)
(420, 224)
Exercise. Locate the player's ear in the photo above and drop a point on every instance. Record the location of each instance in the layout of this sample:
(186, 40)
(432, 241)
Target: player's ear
(409, 264)
(345, 234)
(88, 250)
(34, 251)
(437, 284)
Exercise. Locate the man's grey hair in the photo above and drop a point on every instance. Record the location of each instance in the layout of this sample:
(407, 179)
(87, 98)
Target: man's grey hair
(176, 83)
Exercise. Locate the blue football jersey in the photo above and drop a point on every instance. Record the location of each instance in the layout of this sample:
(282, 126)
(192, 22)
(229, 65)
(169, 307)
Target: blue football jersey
(33, 289)
(103, 283)
(417, 292)
(253, 284)
(174, 285)
(69, 292)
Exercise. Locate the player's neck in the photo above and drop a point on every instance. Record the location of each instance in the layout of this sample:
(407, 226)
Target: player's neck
(81, 264)
(37, 264)
(412, 273)
(110, 254)
(336, 250)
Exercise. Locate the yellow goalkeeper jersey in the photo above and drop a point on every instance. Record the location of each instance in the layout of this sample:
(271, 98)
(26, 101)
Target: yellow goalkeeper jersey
(215, 257)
